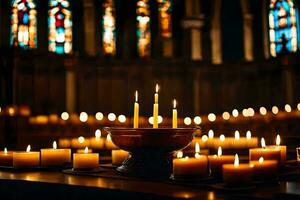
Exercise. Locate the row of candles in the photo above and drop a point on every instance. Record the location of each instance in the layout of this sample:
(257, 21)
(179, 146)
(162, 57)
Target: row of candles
(263, 163)
(55, 157)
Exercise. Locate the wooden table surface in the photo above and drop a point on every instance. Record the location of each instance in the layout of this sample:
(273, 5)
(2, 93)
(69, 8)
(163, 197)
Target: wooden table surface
(56, 185)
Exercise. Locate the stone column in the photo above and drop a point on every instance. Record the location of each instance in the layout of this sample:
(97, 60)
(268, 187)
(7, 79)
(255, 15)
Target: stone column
(89, 18)
(70, 91)
(216, 36)
(248, 37)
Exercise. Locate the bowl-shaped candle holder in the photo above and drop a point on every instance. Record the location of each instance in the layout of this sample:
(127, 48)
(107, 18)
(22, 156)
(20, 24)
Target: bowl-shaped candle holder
(151, 149)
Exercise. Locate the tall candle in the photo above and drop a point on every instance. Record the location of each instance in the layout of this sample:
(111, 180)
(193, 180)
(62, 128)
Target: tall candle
(217, 161)
(85, 160)
(251, 142)
(6, 158)
(136, 112)
(264, 169)
(98, 142)
(55, 157)
(155, 108)
(26, 159)
(174, 115)
(237, 174)
(282, 149)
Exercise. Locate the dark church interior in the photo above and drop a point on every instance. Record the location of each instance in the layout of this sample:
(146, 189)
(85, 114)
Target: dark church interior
(78, 119)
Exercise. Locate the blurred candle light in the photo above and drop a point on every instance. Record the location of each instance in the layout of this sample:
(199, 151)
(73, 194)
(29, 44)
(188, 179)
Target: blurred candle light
(111, 117)
(99, 116)
(235, 113)
(160, 119)
(226, 115)
(275, 110)
(204, 138)
(288, 108)
(64, 116)
(150, 120)
(210, 134)
(236, 135)
(245, 112)
(222, 138)
(83, 117)
(187, 121)
(197, 120)
(262, 110)
(251, 112)
(122, 118)
(248, 135)
(298, 106)
(211, 117)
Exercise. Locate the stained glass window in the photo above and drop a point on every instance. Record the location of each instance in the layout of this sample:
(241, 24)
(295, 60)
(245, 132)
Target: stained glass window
(109, 28)
(60, 26)
(165, 17)
(283, 23)
(24, 24)
(143, 28)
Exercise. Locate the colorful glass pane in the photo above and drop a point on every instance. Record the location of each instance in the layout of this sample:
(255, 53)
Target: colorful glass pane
(165, 17)
(23, 24)
(283, 25)
(143, 28)
(60, 27)
(109, 28)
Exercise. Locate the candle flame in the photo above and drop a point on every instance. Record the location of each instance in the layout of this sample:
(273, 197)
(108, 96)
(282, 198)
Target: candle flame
(197, 155)
(263, 143)
(108, 137)
(219, 151)
(97, 134)
(179, 154)
(236, 161)
(86, 150)
(156, 88)
(261, 160)
(174, 103)
(278, 140)
(197, 148)
(222, 138)
(204, 138)
(54, 145)
(81, 139)
(186, 158)
(136, 96)
(5, 150)
(248, 135)
(211, 134)
(28, 148)
(237, 135)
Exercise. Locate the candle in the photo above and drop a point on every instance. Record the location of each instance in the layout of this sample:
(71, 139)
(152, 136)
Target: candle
(220, 142)
(266, 153)
(55, 157)
(26, 159)
(136, 112)
(109, 144)
(282, 149)
(6, 158)
(83, 151)
(155, 108)
(264, 169)
(85, 160)
(251, 142)
(80, 142)
(174, 115)
(237, 174)
(64, 143)
(97, 142)
(118, 156)
(211, 139)
(217, 161)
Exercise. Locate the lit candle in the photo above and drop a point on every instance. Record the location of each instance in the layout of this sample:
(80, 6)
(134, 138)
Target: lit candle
(97, 142)
(80, 142)
(6, 158)
(237, 174)
(282, 149)
(217, 161)
(155, 108)
(55, 157)
(26, 159)
(264, 169)
(174, 115)
(220, 142)
(190, 166)
(136, 112)
(85, 160)
(109, 144)
(251, 142)
(118, 156)
(266, 153)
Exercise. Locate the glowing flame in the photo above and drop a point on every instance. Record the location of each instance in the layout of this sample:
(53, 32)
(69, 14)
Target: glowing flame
(174, 103)
(97, 134)
(248, 135)
(261, 160)
(28, 148)
(219, 151)
(210, 134)
(81, 139)
(197, 148)
(86, 150)
(278, 140)
(5, 150)
(54, 145)
(222, 138)
(237, 135)
(197, 155)
(263, 143)
(204, 138)
(136, 96)
(236, 161)
(108, 137)
(156, 88)
(179, 154)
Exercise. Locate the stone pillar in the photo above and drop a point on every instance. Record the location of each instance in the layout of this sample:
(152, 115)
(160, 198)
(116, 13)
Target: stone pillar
(89, 27)
(248, 37)
(70, 91)
(216, 36)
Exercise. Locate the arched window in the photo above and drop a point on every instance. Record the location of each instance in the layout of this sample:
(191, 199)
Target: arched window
(143, 28)
(109, 28)
(60, 26)
(283, 24)
(23, 24)
(165, 17)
